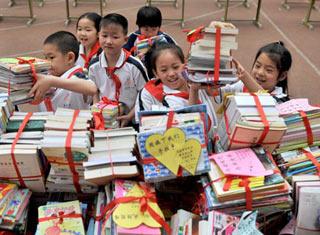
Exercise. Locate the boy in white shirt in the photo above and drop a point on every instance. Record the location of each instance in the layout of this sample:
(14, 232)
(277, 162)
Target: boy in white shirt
(117, 75)
(61, 49)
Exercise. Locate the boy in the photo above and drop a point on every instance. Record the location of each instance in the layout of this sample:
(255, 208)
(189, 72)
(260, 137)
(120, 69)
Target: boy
(117, 74)
(61, 49)
(149, 21)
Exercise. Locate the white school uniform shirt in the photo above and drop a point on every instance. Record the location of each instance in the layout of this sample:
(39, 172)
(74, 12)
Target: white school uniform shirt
(64, 98)
(80, 61)
(149, 102)
(132, 76)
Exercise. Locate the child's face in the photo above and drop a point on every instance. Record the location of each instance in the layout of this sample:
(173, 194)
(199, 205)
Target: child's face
(59, 63)
(149, 31)
(112, 38)
(265, 72)
(87, 33)
(168, 70)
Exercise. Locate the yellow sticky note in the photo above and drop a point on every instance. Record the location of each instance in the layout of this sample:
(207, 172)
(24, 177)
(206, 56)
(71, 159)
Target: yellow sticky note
(172, 150)
(128, 215)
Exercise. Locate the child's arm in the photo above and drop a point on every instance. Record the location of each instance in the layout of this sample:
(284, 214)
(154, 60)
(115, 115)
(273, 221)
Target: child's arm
(45, 82)
(249, 82)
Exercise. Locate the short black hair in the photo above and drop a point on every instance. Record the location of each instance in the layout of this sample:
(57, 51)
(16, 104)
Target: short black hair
(281, 56)
(94, 17)
(149, 16)
(117, 19)
(65, 42)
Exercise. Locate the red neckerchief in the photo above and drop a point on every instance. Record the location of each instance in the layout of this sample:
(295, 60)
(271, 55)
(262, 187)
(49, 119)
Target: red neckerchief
(47, 101)
(111, 72)
(94, 51)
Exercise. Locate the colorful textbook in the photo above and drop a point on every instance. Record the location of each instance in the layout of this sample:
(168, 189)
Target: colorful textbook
(60, 218)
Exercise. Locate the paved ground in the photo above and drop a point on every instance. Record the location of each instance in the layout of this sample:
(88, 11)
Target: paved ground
(17, 39)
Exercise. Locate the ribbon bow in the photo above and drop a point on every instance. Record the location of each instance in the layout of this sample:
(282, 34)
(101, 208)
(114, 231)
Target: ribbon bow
(61, 215)
(98, 117)
(144, 206)
(31, 63)
(195, 34)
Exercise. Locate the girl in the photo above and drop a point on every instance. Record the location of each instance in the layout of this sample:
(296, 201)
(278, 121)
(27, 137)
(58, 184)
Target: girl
(87, 34)
(270, 70)
(169, 88)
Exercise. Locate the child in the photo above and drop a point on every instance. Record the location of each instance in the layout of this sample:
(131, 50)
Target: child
(149, 21)
(87, 33)
(270, 70)
(117, 75)
(61, 49)
(167, 61)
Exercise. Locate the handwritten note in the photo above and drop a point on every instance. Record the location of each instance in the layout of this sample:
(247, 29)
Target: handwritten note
(242, 162)
(295, 105)
(129, 215)
(173, 150)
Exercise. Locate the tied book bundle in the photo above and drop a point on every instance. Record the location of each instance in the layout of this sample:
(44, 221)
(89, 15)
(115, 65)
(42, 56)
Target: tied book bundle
(105, 114)
(177, 149)
(302, 121)
(66, 144)
(250, 120)
(111, 156)
(143, 46)
(133, 210)
(210, 57)
(17, 76)
(245, 179)
(60, 218)
(22, 160)
(298, 152)
(14, 211)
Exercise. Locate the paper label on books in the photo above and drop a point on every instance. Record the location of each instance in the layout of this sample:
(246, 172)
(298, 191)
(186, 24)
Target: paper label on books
(295, 105)
(173, 150)
(242, 162)
(128, 215)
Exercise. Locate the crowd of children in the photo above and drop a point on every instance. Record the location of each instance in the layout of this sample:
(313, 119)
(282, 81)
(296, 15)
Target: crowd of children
(103, 63)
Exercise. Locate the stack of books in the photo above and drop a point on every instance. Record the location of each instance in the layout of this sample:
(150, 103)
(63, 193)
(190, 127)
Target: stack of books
(202, 58)
(242, 123)
(179, 150)
(301, 137)
(144, 45)
(16, 77)
(297, 134)
(14, 210)
(109, 113)
(225, 190)
(111, 156)
(60, 218)
(306, 193)
(6, 110)
(53, 145)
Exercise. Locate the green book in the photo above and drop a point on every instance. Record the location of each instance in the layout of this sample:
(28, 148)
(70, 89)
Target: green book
(33, 125)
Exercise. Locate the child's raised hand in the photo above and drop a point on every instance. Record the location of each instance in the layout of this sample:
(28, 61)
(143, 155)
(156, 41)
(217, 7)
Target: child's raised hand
(41, 87)
(239, 68)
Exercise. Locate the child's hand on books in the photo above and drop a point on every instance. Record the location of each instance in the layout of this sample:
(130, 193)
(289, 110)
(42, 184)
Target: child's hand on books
(124, 120)
(41, 87)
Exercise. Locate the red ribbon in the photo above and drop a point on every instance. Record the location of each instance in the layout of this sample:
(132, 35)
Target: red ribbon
(61, 215)
(75, 174)
(195, 34)
(94, 51)
(307, 126)
(31, 63)
(111, 72)
(15, 141)
(144, 206)
(314, 161)
(217, 55)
